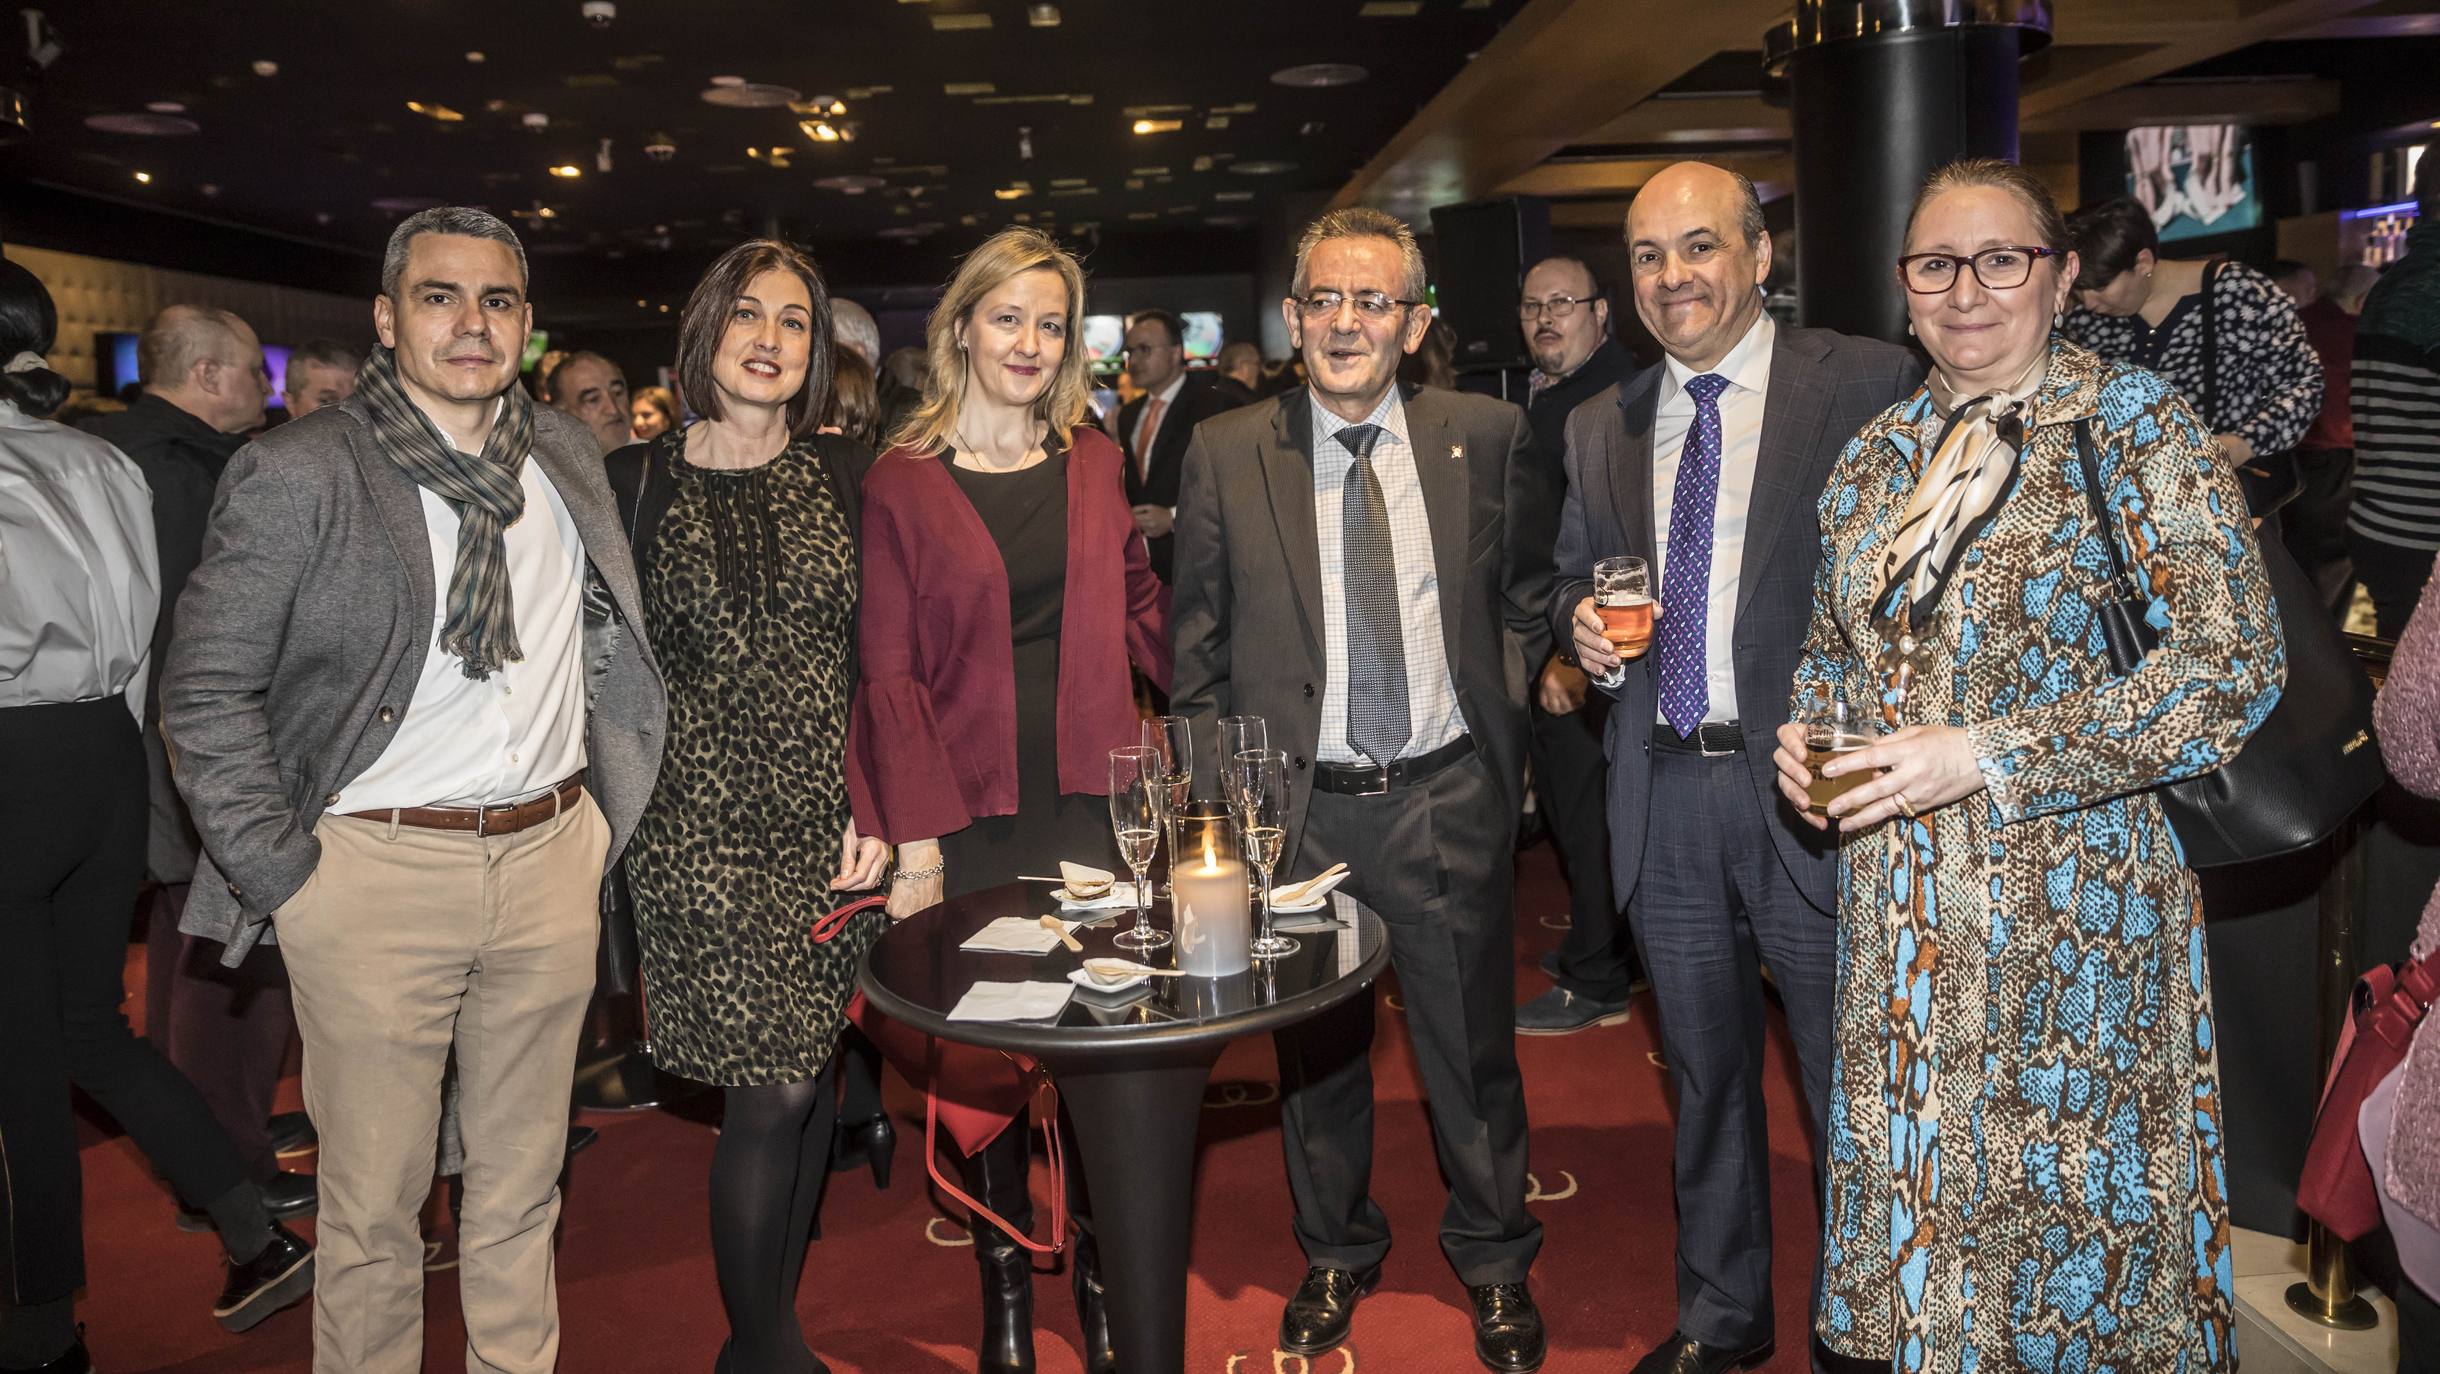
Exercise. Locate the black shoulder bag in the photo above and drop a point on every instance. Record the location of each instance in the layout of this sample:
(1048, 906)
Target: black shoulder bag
(2313, 761)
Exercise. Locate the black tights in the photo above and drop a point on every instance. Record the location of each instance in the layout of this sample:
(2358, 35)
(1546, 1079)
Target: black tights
(767, 1174)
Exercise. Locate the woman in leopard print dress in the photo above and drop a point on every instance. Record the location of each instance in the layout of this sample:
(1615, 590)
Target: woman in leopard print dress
(744, 528)
(2024, 1148)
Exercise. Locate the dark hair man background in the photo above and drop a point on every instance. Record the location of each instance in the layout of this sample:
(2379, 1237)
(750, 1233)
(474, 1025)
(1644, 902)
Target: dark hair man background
(594, 390)
(321, 372)
(1153, 429)
(1565, 317)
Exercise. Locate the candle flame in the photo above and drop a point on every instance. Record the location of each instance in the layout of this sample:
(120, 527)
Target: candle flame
(1211, 861)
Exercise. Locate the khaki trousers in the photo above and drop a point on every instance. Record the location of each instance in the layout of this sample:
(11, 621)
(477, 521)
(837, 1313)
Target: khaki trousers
(405, 943)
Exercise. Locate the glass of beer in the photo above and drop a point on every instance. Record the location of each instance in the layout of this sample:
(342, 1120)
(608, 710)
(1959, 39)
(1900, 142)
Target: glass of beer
(1832, 727)
(1622, 593)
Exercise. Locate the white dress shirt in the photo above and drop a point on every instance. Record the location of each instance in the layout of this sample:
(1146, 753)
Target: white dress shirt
(1143, 438)
(1431, 694)
(521, 731)
(80, 580)
(1748, 370)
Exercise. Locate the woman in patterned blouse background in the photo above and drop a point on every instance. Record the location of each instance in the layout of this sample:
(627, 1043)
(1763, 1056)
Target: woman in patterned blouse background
(2024, 1154)
(2138, 307)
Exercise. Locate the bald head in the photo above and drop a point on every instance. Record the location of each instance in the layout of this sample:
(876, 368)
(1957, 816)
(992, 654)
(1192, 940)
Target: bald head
(207, 363)
(853, 327)
(1700, 253)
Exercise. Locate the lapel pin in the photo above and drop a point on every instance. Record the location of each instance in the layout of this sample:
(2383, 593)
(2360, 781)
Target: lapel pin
(1457, 451)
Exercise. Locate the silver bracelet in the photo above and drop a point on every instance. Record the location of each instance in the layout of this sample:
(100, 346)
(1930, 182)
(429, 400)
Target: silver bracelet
(937, 867)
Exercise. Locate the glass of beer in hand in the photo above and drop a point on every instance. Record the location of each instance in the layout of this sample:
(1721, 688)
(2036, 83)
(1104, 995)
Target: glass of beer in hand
(1622, 594)
(1832, 727)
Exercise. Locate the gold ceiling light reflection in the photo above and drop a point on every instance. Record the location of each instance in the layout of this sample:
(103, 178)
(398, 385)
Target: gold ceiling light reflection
(435, 111)
(567, 171)
(1156, 126)
(144, 178)
(1017, 192)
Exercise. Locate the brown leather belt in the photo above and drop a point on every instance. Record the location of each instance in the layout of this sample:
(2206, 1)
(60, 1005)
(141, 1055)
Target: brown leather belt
(505, 819)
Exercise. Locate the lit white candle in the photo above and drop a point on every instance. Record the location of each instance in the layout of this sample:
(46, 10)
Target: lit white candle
(1214, 928)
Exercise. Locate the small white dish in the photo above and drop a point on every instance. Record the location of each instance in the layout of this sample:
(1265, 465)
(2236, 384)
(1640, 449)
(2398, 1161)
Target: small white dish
(1089, 983)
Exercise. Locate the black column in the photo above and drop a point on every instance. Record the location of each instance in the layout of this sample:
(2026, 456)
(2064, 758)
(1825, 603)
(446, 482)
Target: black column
(1881, 93)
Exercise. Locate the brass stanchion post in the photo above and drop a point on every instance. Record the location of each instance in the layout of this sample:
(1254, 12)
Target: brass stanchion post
(2328, 1295)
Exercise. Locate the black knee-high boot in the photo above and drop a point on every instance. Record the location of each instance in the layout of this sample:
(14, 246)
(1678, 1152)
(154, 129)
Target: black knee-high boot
(996, 1176)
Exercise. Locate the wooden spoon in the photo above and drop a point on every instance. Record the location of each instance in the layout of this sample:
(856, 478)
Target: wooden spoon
(1126, 968)
(1059, 928)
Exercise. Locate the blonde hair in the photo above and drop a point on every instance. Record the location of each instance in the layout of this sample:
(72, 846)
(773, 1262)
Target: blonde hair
(1006, 254)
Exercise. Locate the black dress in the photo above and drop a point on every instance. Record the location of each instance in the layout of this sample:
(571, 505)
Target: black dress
(750, 594)
(1026, 512)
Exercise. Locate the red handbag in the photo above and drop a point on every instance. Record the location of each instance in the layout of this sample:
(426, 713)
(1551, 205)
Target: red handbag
(1046, 1111)
(2338, 1189)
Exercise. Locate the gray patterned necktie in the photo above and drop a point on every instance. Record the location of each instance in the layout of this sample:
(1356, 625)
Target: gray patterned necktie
(1378, 722)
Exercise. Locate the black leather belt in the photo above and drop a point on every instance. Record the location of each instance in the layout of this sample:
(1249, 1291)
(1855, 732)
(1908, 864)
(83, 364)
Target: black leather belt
(1711, 739)
(1372, 779)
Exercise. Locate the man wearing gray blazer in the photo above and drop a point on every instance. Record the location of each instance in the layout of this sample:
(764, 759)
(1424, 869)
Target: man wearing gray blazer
(410, 710)
(1710, 467)
(1348, 569)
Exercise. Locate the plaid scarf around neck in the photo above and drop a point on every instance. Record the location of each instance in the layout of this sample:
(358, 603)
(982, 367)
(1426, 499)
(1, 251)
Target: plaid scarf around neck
(1959, 490)
(485, 490)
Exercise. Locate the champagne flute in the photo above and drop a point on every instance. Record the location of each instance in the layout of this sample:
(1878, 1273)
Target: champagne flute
(1239, 735)
(1171, 738)
(1267, 793)
(1134, 779)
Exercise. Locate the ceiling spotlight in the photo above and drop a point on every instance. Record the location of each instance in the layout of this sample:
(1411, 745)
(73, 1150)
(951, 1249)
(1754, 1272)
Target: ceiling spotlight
(1319, 74)
(166, 107)
(661, 148)
(144, 178)
(266, 68)
(430, 111)
(599, 13)
(474, 56)
(1156, 126)
(1042, 16)
(1012, 192)
(567, 171)
(535, 120)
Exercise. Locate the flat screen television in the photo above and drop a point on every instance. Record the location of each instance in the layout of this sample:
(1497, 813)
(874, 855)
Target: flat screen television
(2196, 179)
(1203, 333)
(1105, 339)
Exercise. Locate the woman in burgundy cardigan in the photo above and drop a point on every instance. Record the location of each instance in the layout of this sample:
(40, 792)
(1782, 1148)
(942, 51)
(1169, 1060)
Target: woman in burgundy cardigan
(1005, 591)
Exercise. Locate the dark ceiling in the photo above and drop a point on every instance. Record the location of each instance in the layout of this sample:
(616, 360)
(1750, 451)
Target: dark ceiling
(326, 149)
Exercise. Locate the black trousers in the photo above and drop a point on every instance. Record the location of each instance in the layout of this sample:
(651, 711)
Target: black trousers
(1714, 905)
(227, 1029)
(1433, 860)
(72, 823)
(2393, 577)
(1571, 785)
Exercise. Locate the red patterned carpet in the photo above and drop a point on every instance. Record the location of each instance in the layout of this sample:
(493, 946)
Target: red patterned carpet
(890, 1288)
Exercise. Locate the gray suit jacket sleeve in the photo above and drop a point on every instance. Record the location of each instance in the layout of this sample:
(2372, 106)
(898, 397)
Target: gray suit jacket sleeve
(1572, 571)
(1199, 605)
(231, 626)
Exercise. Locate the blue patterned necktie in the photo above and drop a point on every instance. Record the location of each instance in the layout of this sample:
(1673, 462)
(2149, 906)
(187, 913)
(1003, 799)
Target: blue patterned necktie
(1378, 723)
(1685, 676)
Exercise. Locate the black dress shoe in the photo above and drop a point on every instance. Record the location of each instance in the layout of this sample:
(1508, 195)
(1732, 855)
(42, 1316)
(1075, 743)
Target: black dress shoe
(73, 1360)
(282, 1274)
(1508, 1335)
(292, 1133)
(872, 1142)
(288, 1195)
(1684, 1355)
(580, 1138)
(1560, 1012)
(1317, 1318)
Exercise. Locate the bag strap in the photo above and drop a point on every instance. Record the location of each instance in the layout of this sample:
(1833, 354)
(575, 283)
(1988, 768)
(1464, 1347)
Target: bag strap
(827, 927)
(1047, 1113)
(2120, 579)
(2211, 345)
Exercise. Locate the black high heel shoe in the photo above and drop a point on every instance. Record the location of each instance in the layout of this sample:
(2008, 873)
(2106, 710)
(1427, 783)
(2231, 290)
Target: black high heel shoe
(873, 1141)
(1092, 1304)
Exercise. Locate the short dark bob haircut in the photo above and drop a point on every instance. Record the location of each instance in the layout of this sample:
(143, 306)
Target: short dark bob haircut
(2107, 237)
(706, 322)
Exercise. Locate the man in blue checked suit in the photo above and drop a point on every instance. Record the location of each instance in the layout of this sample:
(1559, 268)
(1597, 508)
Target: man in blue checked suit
(1710, 467)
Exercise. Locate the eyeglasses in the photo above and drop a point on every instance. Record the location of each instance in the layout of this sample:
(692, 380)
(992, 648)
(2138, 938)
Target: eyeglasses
(1997, 269)
(1372, 305)
(1560, 307)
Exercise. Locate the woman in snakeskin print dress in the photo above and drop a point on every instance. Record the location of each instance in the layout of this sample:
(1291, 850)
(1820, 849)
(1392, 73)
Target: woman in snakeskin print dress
(2024, 1151)
(744, 528)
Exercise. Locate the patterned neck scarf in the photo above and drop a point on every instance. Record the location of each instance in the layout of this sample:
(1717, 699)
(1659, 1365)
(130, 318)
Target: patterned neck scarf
(486, 492)
(1959, 491)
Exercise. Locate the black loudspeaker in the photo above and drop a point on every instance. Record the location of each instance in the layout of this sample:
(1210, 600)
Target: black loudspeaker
(1483, 250)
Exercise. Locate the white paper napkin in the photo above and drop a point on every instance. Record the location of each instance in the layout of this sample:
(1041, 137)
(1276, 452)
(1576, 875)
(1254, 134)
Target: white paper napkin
(1309, 894)
(1012, 1001)
(1016, 935)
